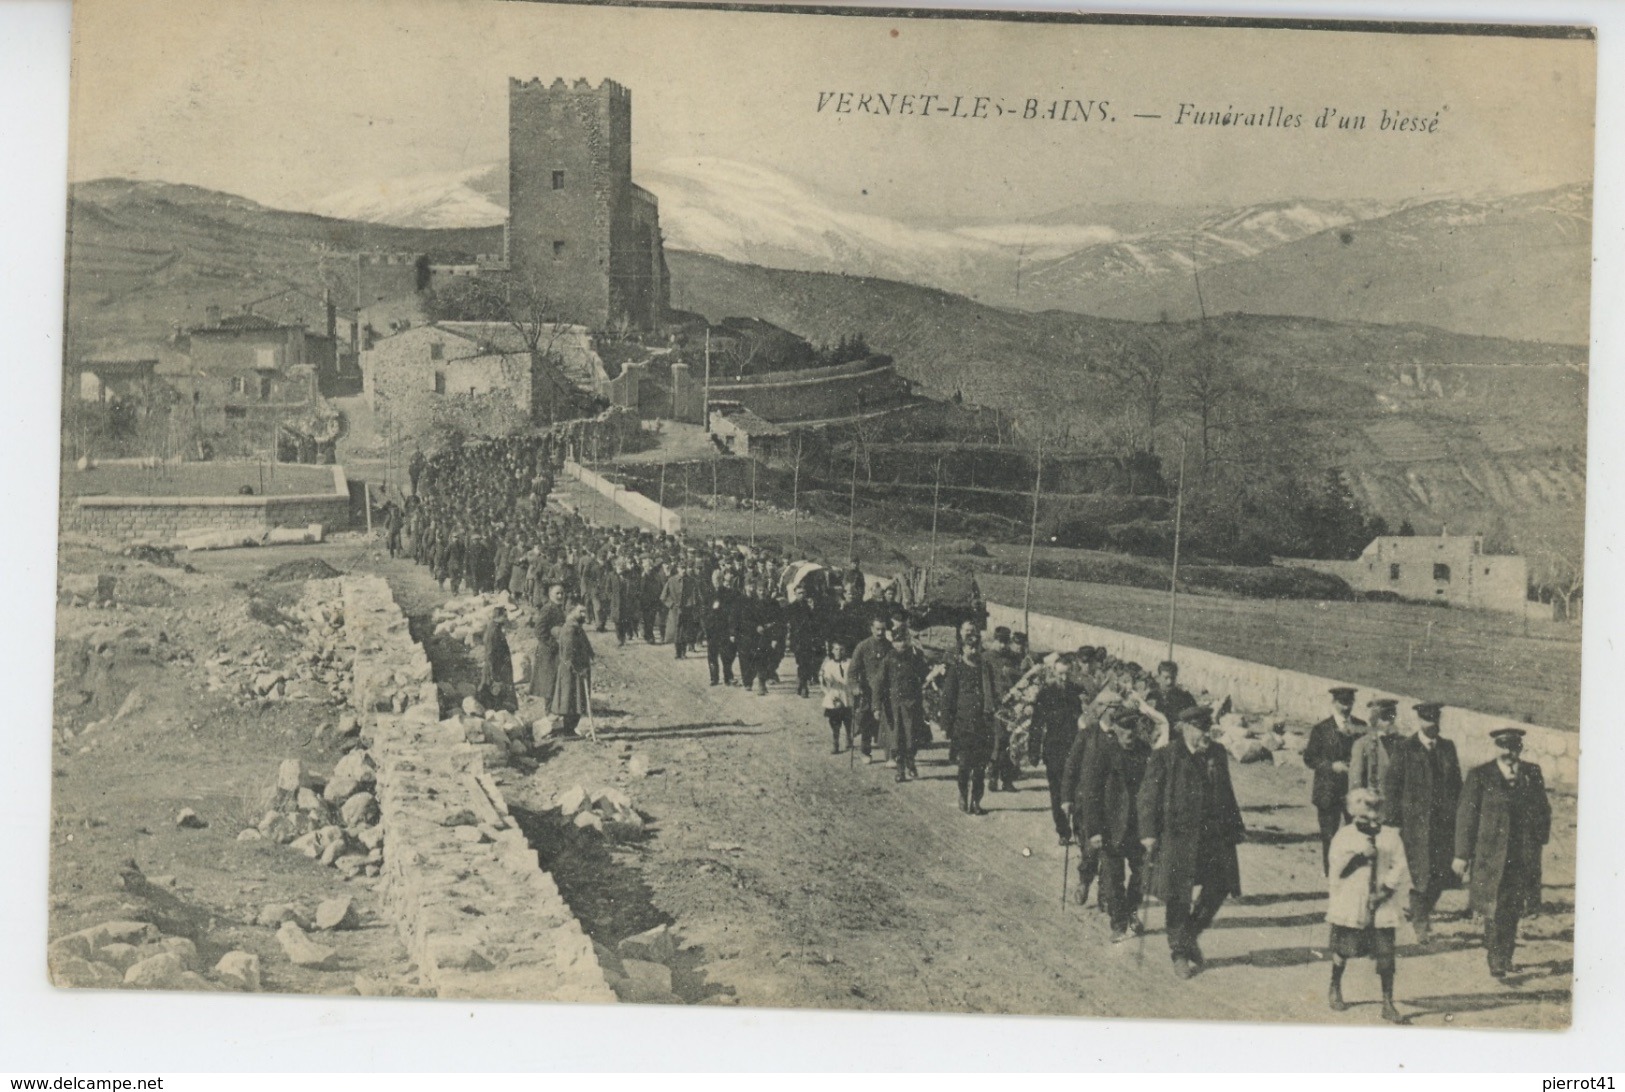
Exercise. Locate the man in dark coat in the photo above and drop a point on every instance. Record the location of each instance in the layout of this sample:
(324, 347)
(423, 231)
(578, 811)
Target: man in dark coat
(1420, 792)
(1502, 823)
(652, 588)
(544, 672)
(1328, 752)
(626, 594)
(1006, 666)
(721, 623)
(572, 685)
(901, 692)
(1190, 824)
(806, 637)
(1093, 737)
(674, 597)
(1108, 822)
(863, 678)
(1056, 710)
(750, 640)
(967, 718)
(496, 666)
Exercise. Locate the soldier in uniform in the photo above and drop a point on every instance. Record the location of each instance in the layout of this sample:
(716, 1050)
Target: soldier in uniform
(1374, 751)
(545, 671)
(1502, 823)
(1420, 792)
(1328, 752)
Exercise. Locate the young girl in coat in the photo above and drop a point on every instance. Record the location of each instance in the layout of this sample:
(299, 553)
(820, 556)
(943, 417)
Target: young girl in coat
(837, 698)
(1370, 883)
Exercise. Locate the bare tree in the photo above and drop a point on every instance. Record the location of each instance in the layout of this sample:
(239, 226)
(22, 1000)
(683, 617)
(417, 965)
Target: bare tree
(1205, 385)
(1141, 365)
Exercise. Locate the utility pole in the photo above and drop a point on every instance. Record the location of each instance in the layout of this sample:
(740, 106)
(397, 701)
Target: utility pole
(753, 500)
(1032, 544)
(795, 499)
(852, 506)
(936, 491)
(705, 410)
(1173, 579)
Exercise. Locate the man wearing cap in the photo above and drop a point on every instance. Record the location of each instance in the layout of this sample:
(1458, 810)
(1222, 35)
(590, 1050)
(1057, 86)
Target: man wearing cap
(1502, 823)
(1190, 825)
(1374, 751)
(1328, 753)
(1420, 792)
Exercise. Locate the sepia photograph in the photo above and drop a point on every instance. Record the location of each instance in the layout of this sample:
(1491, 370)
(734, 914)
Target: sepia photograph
(1019, 513)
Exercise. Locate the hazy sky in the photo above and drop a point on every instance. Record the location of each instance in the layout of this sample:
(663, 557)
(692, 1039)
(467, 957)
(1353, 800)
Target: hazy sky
(285, 101)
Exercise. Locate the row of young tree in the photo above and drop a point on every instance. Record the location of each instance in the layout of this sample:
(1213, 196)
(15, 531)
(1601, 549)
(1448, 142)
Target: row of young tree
(1259, 475)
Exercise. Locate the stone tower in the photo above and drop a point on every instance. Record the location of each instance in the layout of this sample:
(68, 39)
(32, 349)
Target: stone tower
(577, 225)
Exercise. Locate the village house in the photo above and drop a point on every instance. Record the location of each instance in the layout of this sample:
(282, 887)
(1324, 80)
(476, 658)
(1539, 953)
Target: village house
(404, 374)
(1451, 569)
(246, 367)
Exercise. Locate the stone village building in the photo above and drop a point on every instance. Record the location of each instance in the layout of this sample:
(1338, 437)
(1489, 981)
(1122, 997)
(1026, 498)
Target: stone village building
(1451, 569)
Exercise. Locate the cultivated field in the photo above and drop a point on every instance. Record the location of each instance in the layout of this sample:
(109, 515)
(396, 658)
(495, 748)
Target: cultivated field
(1473, 659)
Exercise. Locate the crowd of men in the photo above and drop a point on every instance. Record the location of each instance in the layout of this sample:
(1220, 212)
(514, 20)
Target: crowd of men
(1136, 780)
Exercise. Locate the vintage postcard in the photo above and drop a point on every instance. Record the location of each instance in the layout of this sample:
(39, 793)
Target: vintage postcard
(848, 509)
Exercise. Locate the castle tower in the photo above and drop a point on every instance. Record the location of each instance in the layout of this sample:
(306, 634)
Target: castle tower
(577, 225)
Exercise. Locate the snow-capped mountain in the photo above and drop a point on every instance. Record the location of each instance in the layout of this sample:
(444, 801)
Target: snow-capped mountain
(747, 213)
(473, 197)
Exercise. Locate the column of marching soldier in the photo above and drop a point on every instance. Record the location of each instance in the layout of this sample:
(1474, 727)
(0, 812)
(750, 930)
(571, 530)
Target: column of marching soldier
(1135, 778)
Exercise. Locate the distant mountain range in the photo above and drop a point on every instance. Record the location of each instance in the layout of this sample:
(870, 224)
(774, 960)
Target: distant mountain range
(1436, 426)
(1503, 266)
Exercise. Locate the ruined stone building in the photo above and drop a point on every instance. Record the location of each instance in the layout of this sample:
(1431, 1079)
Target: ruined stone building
(579, 229)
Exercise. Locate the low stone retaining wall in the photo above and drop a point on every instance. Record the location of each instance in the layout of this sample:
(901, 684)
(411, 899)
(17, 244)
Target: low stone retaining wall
(161, 519)
(1260, 688)
(634, 503)
(477, 912)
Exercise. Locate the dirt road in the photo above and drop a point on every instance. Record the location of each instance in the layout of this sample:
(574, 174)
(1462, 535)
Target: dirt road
(796, 877)
(801, 879)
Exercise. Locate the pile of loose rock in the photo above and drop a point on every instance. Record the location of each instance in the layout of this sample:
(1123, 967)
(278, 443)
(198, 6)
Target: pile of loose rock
(1256, 739)
(499, 735)
(466, 616)
(136, 955)
(334, 821)
(604, 811)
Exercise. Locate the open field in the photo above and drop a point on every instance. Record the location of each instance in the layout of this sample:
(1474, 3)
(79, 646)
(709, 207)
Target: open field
(1473, 659)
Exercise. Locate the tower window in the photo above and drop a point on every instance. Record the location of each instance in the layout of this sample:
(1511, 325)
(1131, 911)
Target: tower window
(1441, 572)
(558, 180)
(439, 382)
(1393, 571)
(437, 351)
(558, 249)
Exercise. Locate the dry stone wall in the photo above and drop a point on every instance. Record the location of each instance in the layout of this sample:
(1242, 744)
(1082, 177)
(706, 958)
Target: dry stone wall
(476, 910)
(1260, 688)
